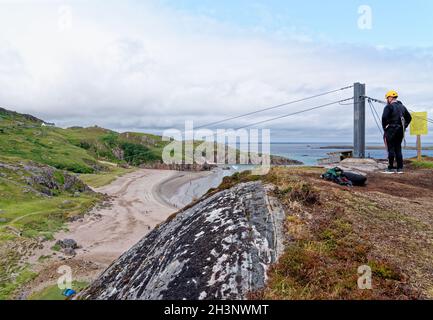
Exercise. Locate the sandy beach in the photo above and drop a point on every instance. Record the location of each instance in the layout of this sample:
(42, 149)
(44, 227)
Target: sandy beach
(135, 210)
(140, 201)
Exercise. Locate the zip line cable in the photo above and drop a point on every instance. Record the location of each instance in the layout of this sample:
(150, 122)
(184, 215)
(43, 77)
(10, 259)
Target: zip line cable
(377, 113)
(374, 113)
(294, 113)
(287, 115)
(274, 107)
(429, 120)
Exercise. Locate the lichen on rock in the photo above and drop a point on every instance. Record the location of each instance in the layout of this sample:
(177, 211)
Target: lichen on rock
(220, 248)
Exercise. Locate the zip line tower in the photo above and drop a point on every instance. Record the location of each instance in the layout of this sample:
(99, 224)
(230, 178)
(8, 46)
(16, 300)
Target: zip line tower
(359, 118)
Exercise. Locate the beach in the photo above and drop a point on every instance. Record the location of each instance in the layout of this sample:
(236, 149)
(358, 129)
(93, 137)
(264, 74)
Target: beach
(139, 201)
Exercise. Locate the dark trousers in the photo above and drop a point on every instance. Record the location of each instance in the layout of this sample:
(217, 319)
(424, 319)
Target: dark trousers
(394, 139)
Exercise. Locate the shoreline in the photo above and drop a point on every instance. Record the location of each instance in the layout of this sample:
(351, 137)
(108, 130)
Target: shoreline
(186, 187)
(170, 188)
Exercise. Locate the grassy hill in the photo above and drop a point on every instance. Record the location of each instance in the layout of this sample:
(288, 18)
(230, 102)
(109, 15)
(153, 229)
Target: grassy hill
(75, 149)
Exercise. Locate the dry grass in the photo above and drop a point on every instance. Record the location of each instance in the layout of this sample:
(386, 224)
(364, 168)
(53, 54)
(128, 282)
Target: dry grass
(334, 230)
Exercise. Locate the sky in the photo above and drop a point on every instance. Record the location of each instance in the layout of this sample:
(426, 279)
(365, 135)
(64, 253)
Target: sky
(152, 65)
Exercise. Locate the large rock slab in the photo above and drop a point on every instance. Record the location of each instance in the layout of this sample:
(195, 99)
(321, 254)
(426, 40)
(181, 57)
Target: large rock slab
(361, 166)
(218, 249)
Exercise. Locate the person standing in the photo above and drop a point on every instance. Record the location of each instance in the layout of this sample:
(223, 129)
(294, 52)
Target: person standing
(395, 120)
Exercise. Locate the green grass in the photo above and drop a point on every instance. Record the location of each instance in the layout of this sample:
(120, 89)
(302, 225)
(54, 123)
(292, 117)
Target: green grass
(29, 216)
(105, 178)
(48, 146)
(54, 293)
(56, 247)
(36, 215)
(426, 163)
(33, 218)
(7, 289)
(77, 150)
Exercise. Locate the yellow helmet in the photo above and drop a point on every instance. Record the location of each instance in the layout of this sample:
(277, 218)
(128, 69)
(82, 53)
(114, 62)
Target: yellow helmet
(391, 94)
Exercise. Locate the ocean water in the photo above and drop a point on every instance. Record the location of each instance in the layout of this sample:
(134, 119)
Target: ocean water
(310, 153)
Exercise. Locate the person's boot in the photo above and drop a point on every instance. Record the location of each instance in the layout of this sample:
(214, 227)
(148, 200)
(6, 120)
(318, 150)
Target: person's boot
(390, 171)
(400, 171)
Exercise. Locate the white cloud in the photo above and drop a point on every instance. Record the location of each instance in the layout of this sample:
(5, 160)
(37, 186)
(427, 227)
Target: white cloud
(147, 68)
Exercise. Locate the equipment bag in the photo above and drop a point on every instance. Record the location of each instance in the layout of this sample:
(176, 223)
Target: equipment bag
(356, 179)
(337, 175)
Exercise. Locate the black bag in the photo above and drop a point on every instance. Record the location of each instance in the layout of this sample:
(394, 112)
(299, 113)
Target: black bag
(344, 178)
(356, 179)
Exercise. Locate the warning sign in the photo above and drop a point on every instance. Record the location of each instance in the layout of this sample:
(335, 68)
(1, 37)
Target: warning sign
(418, 126)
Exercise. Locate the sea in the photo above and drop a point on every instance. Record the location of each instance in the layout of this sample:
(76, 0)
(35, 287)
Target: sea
(310, 153)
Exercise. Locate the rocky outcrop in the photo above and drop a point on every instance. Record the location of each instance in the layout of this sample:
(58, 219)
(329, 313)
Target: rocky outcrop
(17, 115)
(118, 153)
(42, 179)
(220, 248)
(282, 161)
(48, 180)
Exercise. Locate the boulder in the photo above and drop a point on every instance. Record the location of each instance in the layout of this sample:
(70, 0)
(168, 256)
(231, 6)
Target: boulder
(67, 244)
(220, 248)
(362, 165)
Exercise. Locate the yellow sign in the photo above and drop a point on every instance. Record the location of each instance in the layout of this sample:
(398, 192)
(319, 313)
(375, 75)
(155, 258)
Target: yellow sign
(418, 126)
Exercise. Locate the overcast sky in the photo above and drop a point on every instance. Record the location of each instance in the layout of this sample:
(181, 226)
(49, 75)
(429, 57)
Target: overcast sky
(151, 65)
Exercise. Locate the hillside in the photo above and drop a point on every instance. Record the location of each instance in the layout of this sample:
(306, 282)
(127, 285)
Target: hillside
(35, 202)
(329, 232)
(75, 149)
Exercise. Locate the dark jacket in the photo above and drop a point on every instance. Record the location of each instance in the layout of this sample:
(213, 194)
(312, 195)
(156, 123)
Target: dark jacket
(393, 114)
